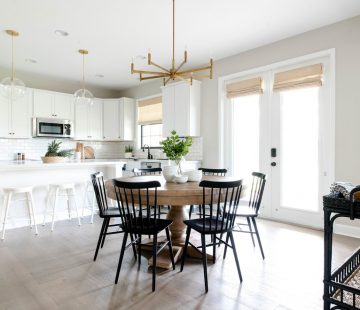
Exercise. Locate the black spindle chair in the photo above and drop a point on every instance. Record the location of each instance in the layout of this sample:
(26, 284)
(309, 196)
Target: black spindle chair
(150, 171)
(223, 198)
(105, 212)
(135, 200)
(250, 212)
(208, 171)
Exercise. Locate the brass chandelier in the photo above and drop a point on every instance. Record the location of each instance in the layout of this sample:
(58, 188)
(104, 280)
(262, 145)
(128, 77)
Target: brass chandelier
(174, 72)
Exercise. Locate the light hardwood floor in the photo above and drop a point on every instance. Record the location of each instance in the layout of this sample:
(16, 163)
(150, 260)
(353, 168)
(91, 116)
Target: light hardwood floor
(55, 271)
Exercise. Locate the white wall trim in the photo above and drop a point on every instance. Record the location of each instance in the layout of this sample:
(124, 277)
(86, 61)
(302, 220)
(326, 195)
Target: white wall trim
(347, 230)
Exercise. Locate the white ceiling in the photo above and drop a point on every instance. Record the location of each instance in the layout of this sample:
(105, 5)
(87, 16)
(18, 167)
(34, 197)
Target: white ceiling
(114, 31)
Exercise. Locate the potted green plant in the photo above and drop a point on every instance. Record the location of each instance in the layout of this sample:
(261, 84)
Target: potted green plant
(175, 148)
(54, 155)
(128, 151)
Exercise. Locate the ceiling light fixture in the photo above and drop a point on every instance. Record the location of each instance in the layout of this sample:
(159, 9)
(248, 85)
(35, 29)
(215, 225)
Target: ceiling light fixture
(173, 73)
(83, 95)
(12, 87)
(61, 33)
(30, 60)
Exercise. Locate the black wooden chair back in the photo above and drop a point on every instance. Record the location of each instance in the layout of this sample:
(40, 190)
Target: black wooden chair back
(97, 180)
(147, 171)
(223, 199)
(257, 190)
(213, 171)
(132, 195)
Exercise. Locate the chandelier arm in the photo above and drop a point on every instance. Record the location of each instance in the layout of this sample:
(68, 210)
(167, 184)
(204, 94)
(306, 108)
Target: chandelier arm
(178, 68)
(167, 80)
(152, 77)
(148, 72)
(184, 79)
(160, 67)
(195, 70)
(197, 76)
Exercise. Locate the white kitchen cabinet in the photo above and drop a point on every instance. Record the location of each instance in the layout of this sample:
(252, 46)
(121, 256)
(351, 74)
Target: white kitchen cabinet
(49, 104)
(181, 108)
(119, 119)
(15, 117)
(88, 121)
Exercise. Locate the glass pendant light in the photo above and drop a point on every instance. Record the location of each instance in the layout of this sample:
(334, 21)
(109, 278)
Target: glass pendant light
(83, 95)
(12, 87)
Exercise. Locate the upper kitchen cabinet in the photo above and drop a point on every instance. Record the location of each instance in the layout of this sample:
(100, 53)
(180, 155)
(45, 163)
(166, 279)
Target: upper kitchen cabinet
(50, 104)
(89, 121)
(15, 117)
(181, 108)
(119, 119)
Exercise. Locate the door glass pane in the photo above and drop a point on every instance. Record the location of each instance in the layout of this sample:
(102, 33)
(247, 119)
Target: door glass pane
(299, 149)
(246, 120)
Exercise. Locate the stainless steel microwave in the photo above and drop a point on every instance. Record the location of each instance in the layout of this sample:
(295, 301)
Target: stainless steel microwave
(51, 127)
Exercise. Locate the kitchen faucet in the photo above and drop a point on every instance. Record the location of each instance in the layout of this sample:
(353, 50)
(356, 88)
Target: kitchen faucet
(148, 148)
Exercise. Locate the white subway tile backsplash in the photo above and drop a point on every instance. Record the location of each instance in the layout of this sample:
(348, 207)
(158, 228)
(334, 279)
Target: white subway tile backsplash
(36, 147)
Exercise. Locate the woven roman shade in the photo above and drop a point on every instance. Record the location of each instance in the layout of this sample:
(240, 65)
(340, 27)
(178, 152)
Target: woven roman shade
(300, 77)
(244, 88)
(150, 111)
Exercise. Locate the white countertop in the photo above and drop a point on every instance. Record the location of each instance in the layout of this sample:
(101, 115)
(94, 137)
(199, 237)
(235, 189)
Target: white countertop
(9, 165)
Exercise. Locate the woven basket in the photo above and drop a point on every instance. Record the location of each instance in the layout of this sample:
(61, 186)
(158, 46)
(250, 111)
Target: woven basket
(53, 159)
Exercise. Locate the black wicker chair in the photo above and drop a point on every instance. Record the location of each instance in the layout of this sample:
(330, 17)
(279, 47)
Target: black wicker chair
(208, 171)
(132, 197)
(223, 199)
(251, 211)
(105, 212)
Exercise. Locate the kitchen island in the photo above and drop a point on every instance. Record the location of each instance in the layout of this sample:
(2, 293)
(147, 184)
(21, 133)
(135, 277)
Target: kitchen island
(40, 175)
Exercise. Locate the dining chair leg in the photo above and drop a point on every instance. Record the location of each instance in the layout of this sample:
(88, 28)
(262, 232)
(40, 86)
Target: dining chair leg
(100, 238)
(133, 245)
(139, 250)
(191, 211)
(188, 231)
(258, 237)
(251, 231)
(105, 232)
(121, 257)
(154, 262)
(214, 248)
(204, 259)
(235, 254)
(227, 241)
(170, 247)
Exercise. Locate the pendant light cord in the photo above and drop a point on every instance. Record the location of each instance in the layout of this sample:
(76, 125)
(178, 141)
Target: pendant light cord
(12, 58)
(83, 72)
(173, 53)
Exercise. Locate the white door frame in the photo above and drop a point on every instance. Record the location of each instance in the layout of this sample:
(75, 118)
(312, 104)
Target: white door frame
(224, 138)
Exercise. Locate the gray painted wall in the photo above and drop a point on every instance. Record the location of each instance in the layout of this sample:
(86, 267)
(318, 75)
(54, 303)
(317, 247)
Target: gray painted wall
(344, 37)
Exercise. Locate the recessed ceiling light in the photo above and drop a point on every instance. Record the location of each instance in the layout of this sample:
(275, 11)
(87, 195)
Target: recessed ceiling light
(61, 33)
(99, 75)
(30, 60)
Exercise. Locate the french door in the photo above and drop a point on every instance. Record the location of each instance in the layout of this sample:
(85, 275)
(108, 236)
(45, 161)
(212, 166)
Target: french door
(288, 136)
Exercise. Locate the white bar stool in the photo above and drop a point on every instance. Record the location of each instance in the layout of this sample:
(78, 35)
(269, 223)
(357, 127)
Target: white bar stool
(89, 189)
(9, 192)
(58, 190)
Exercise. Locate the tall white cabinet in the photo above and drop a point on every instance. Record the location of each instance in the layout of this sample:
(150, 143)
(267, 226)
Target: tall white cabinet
(15, 117)
(51, 104)
(89, 121)
(119, 119)
(181, 108)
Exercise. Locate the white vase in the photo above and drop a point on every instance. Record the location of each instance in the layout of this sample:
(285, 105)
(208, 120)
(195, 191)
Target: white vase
(127, 155)
(169, 172)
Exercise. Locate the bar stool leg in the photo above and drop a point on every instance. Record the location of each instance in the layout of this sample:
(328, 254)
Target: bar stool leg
(7, 201)
(47, 205)
(71, 193)
(92, 208)
(85, 199)
(54, 207)
(68, 203)
(31, 208)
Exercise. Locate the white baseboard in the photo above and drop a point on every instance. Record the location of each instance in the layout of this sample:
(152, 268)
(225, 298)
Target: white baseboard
(347, 230)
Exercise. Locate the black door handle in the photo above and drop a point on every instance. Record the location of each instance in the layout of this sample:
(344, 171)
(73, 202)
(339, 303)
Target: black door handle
(273, 164)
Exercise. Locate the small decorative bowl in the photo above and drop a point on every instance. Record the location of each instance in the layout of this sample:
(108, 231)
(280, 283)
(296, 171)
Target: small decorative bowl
(194, 175)
(180, 178)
